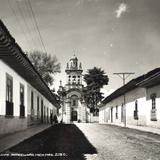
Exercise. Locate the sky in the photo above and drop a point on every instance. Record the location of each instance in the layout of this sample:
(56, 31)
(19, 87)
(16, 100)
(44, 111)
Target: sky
(116, 35)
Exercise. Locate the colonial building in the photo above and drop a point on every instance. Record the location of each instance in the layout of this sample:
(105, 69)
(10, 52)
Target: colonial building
(135, 104)
(74, 108)
(25, 99)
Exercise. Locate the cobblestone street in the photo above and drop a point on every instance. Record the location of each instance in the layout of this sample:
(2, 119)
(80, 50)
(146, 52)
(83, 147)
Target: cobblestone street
(92, 142)
(116, 143)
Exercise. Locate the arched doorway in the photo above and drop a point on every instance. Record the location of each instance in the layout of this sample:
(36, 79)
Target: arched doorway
(74, 116)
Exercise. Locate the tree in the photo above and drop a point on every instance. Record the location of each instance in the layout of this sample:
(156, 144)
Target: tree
(46, 65)
(95, 80)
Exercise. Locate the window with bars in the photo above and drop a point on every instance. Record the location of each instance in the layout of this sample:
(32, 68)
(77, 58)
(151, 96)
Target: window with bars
(32, 102)
(116, 112)
(9, 88)
(22, 107)
(32, 105)
(9, 95)
(136, 110)
(153, 110)
(153, 98)
(111, 114)
(42, 111)
(21, 94)
(122, 115)
(37, 106)
(47, 115)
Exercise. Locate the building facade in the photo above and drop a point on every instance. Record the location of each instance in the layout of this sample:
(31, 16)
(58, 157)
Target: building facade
(74, 108)
(135, 104)
(25, 99)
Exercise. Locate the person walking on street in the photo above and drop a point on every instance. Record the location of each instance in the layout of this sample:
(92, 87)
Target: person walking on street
(55, 119)
(51, 118)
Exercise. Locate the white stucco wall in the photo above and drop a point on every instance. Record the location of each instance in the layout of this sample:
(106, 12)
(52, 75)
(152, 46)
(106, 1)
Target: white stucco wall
(130, 99)
(142, 95)
(11, 124)
(104, 114)
(17, 79)
(142, 112)
(150, 91)
(46, 104)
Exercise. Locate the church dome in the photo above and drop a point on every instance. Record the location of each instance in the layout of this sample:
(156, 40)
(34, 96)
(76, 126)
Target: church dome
(74, 58)
(73, 64)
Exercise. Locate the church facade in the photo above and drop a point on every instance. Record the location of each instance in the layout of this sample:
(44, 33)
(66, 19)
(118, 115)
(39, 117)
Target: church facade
(74, 108)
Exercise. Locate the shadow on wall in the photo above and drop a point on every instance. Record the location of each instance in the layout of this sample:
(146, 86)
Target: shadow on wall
(60, 138)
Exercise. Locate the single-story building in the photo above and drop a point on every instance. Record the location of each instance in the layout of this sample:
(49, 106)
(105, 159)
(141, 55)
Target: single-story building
(25, 99)
(135, 103)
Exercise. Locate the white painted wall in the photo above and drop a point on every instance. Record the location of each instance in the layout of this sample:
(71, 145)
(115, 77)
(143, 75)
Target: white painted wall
(142, 96)
(17, 79)
(150, 91)
(46, 105)
(16, 123)
(144, 108)
(142, 112)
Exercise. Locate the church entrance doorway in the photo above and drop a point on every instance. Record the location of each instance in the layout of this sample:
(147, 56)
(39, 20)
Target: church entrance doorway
(74, 116)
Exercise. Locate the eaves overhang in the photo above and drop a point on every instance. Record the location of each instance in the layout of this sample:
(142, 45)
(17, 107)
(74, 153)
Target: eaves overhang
(13, 56)
(123, 90)
(149, 79)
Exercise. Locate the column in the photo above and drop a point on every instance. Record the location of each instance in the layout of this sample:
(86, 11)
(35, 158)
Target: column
(68, 111)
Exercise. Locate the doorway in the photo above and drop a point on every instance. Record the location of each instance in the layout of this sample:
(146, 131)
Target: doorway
(111, 114)
(42, 111)
(74, 116)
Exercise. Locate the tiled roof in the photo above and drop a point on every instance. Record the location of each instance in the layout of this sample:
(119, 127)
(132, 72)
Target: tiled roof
(12, 55)
(134, 83)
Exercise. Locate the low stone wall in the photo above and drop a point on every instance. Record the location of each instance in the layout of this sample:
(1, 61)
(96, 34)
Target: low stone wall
(33, 120)
(12, 124)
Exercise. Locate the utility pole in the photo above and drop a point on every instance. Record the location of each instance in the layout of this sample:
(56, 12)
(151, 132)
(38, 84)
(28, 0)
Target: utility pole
(124, 76)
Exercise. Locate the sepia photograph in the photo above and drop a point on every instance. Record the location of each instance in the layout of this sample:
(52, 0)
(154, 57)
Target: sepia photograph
(79, 80)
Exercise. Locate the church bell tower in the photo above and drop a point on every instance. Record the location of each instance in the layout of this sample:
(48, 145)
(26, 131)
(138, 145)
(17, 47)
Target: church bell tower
(74, 74)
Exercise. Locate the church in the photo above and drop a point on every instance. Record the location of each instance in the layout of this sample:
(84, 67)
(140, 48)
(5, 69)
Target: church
(73, 108)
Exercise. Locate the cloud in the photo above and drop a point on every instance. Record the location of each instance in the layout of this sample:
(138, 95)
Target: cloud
(121, 9)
